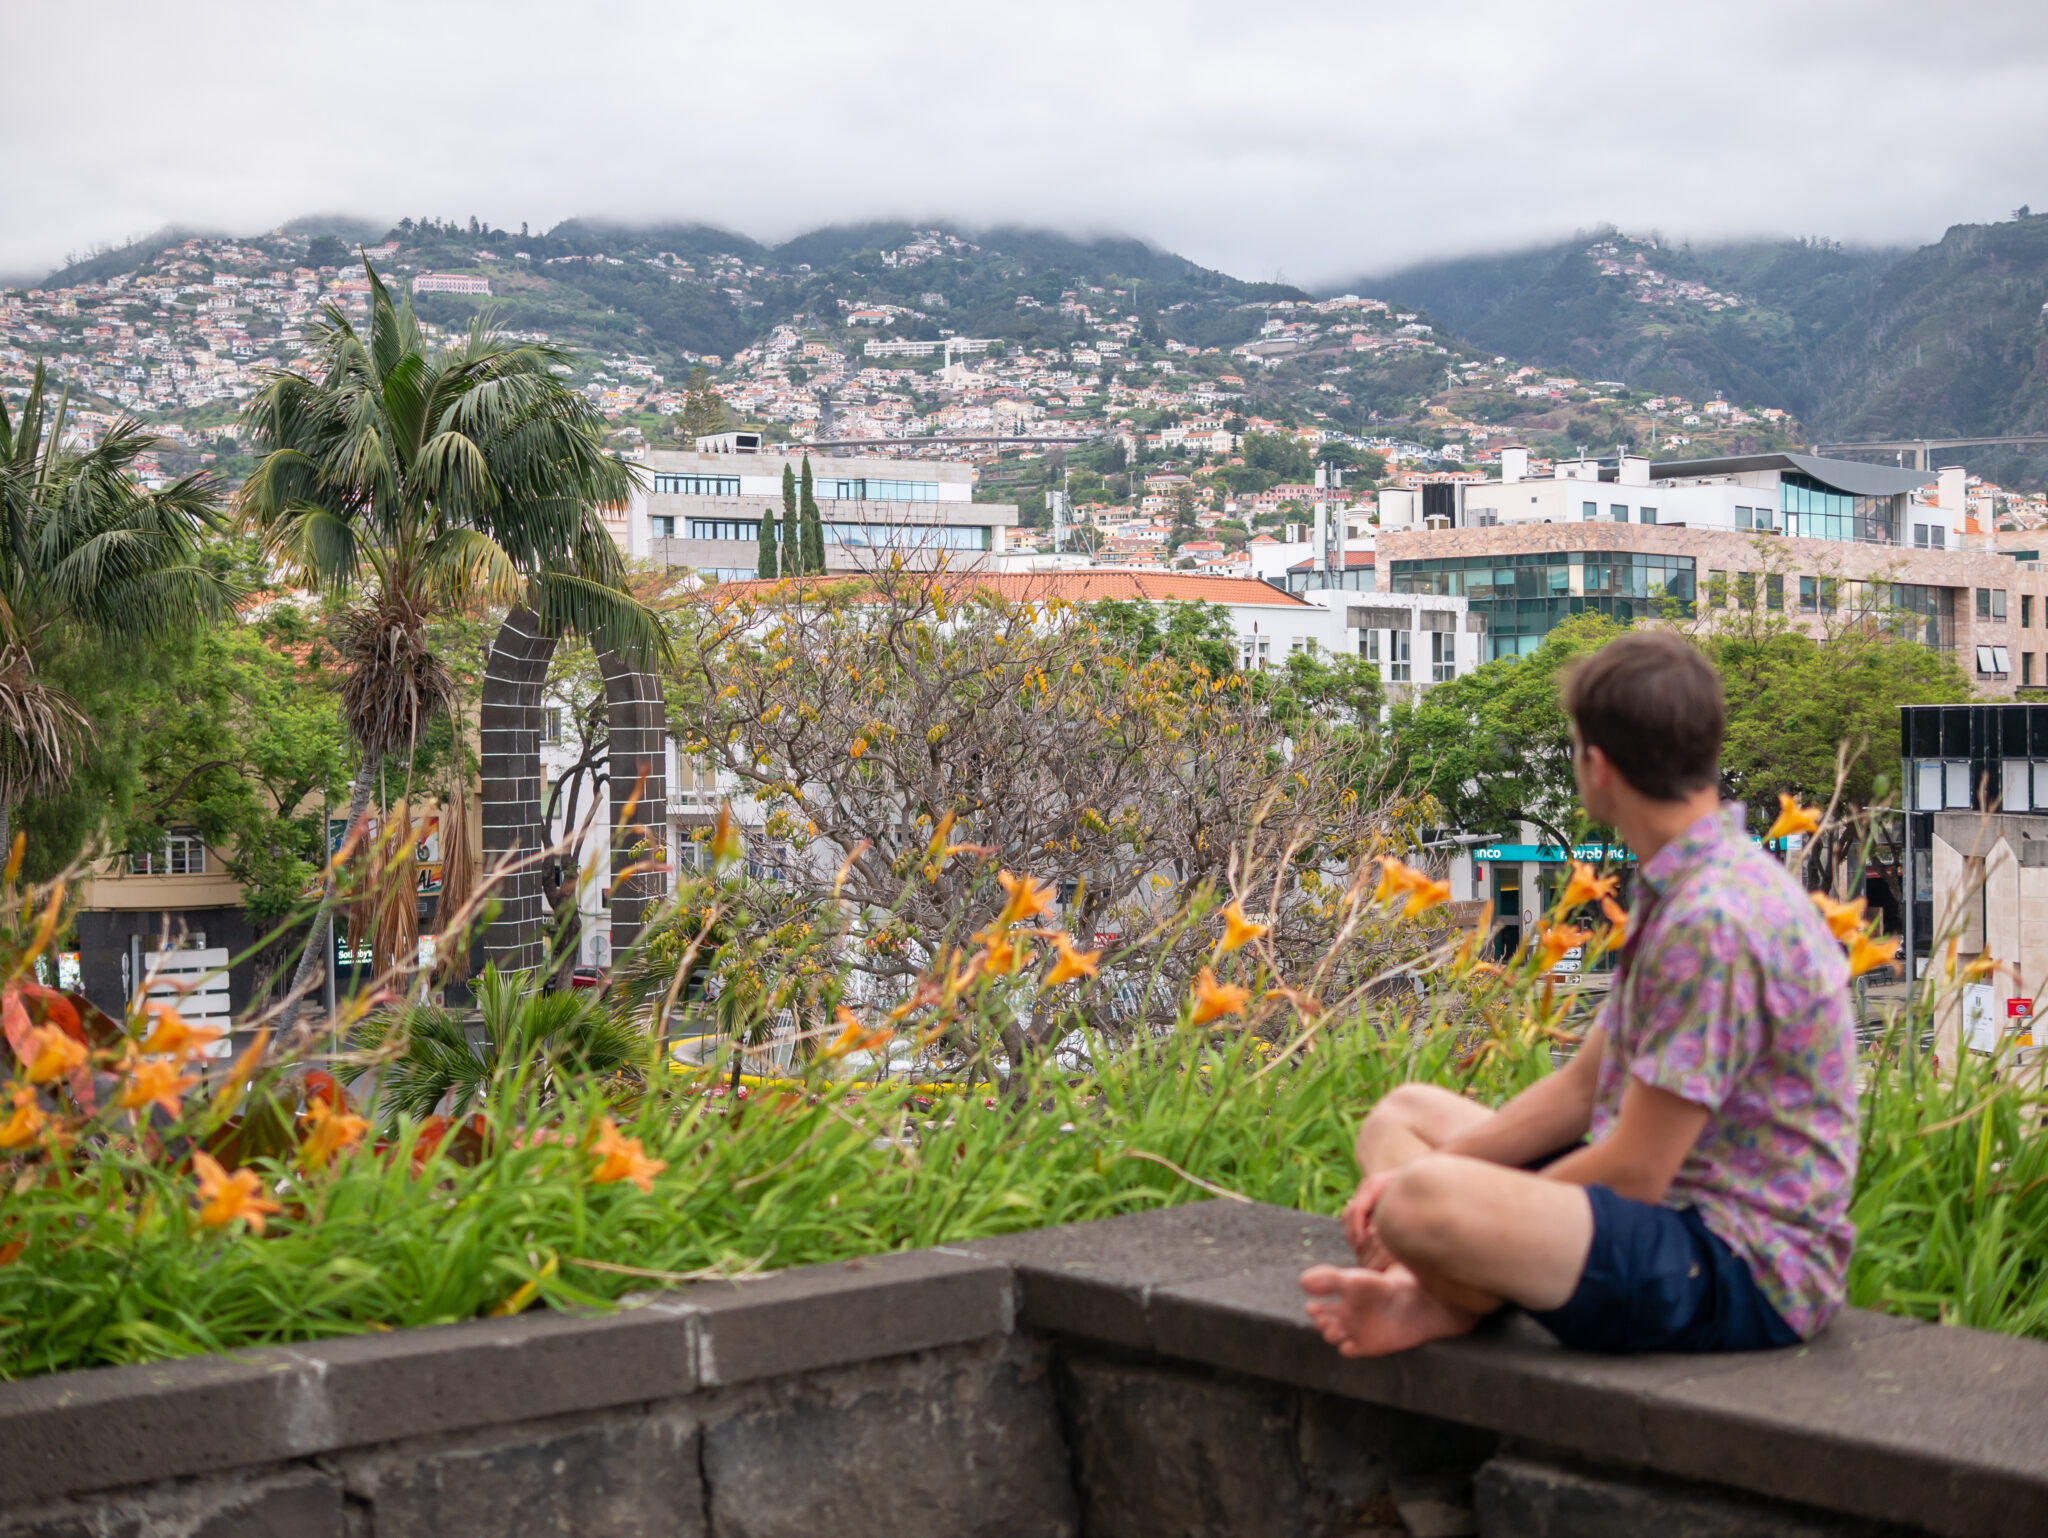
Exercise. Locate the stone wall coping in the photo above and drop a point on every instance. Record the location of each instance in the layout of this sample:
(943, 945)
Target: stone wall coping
(1878, 1417)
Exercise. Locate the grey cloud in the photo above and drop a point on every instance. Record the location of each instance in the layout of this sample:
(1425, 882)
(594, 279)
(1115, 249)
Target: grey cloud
(1322, 140)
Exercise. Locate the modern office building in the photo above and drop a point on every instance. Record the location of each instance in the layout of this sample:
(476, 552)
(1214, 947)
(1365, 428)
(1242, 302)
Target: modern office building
(1811, 538)
(1976, 812)
(703, 509)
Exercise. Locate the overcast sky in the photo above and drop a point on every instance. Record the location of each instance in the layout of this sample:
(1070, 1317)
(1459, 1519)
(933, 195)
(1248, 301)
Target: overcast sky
(1315, 141)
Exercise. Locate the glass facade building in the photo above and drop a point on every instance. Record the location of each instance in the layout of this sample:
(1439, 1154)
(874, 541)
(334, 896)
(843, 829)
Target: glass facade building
(1523, 596)
(1813, 510)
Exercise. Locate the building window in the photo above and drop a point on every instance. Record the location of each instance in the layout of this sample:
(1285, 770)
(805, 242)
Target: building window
(748, 529)
(662, 528)
(1956, 784)
(180, 854)
(1519, 598)
(1618, 511)
(696, 485)
(1919, 536)
(2026, 611)
(1745, 590)
(870, 489)
(1398, 666)
(1589, 511)
(2026, 669)
(1822, 512)
(908, 536)
(1994, 660)
(1717, 589)
(2017, 793)
(1744, 518)
(1646, 515)
(1809, 595)
(1443, 656)
(551, 723)
(1369, 645)
(1998, 603)
(1774, 592)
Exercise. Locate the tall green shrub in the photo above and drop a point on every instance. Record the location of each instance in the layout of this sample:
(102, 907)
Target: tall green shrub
(813, 526)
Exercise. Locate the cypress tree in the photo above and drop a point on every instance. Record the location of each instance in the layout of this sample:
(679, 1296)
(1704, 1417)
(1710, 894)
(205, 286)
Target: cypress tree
(764, 565)
(793, 553)
(813, 525)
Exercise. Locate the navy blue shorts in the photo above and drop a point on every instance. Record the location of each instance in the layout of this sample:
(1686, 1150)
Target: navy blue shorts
(1657, 1280)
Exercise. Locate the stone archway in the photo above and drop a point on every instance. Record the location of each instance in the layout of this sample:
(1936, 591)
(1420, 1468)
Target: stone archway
(512, 805)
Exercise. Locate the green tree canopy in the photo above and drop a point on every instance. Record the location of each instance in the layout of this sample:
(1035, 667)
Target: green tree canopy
(414, 483)
(88, 557)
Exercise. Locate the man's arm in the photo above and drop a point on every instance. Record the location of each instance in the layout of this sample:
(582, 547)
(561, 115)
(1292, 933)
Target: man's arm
(1640, 1156)
(1554, 1111)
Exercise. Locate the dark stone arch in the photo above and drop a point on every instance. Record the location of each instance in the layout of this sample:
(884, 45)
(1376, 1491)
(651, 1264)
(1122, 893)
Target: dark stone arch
(512, 805)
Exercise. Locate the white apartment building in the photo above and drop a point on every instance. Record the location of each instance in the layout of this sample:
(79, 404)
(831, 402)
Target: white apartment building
(1801, 496)
(703, 509)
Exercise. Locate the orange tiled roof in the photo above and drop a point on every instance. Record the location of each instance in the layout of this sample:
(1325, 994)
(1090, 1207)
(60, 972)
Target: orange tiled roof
(1090, 586)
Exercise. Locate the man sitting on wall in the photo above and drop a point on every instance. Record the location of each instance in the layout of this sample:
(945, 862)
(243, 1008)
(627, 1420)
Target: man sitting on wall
(1709, 1210)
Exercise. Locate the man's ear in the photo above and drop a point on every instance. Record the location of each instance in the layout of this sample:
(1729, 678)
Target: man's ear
(1599, 768)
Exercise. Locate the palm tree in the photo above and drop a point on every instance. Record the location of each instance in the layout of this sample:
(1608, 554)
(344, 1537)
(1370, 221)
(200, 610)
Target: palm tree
(417, 484)
(525, 1032)
(86, 555)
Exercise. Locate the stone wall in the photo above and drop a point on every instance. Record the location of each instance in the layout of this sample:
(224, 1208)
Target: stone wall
(1147, 1375)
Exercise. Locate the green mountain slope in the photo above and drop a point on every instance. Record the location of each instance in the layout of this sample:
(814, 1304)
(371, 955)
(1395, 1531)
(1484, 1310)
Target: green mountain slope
(1774, 305)
(1943, 341)
(1953, 339)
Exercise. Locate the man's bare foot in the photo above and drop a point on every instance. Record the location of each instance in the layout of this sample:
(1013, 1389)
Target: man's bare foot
(1374, 1313)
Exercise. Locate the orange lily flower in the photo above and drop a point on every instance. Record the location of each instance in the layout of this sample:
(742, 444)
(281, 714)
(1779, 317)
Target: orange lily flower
(52, 1054)
(622, 1158)
(153, 1081)
(172, 1035)
(1585, 887)
(25, 1121)
(1426, 895)
(853, 1036)
(1793, 818)
(1214, 999)
(726, 841)
(1071, 963)
(1423, 893)
(1844, 919)
(1395, 878)
(1237, 929)
(224, 1197)
(1554, 940)
(1029, 897)
(1617, 918)
(329, 1132)
(1000, 955)
(1866, 953)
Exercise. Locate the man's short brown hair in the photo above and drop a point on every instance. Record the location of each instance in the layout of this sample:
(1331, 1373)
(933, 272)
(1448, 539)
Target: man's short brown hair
(1653, 705)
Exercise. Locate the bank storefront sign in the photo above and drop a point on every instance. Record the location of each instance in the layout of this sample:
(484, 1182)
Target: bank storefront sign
(1550, 854)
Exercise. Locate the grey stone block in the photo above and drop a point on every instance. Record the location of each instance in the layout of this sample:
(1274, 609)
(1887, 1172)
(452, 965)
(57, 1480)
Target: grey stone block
(123, 1426)
(1158, 1451)
(854, 1311)
(300, 1505)
(1517, 1497)
(1876, 1417)
(619, 1476)
(957, 1444)
(294, 1503)
(1094, 1281)
(1164, 1450)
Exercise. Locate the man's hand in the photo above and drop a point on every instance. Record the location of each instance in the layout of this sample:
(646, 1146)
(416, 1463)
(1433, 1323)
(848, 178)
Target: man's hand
(1358, 1227)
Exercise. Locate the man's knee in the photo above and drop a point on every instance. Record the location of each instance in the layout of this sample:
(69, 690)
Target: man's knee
(1405, 1106)
(1417, 1214)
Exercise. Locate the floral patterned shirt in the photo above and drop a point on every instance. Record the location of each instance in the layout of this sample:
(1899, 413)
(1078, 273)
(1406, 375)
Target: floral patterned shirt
(1731, 993)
